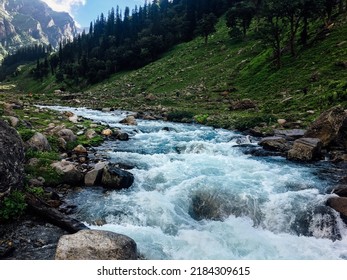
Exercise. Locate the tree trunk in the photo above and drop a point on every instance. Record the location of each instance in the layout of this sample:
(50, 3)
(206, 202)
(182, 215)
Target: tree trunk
(53, 215)
(340, 6)
(304, 33)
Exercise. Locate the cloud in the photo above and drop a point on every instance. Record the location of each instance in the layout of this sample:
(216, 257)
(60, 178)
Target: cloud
(65, 5)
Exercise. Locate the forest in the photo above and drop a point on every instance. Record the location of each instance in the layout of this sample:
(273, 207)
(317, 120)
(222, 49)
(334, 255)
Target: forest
(129, 39)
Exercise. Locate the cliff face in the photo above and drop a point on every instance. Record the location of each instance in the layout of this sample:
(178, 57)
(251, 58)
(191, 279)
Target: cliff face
(26, 22)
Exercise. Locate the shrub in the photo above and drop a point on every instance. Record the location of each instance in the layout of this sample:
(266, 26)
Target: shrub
(12, 206)
(180, 116)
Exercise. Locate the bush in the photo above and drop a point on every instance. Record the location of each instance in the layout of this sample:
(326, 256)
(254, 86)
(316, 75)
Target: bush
(12, 206)
(245, 123)
(26, 134)
(180, 116)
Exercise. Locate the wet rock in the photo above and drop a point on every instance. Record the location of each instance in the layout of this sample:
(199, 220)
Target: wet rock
(116, 178)
(305, 149)
(328, 126)
(38, 142)
(340, 190)
(11, 158)
(96, 245)
(277, 144)
(130, 120)
(93, 177)
(339, 204)
(120, 135)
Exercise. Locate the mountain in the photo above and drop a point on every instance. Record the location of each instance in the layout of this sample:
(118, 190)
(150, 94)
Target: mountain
(26, 22)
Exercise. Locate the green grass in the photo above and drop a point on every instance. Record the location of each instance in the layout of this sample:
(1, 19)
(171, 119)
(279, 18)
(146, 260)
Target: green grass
(198, 79)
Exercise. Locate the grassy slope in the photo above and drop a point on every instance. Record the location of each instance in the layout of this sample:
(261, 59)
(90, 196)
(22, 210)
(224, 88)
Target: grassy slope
(206, 79)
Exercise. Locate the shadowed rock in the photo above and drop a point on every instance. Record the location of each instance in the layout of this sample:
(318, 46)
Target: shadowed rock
(11, 158)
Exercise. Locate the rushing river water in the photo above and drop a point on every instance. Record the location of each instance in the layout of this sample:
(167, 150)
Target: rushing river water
(198, 195)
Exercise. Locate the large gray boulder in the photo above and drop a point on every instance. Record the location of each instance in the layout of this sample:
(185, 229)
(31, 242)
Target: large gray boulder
(328, 126)
(305, 149)
(96, 245)
(69, 172)
(11, 158)
(93, 177)
(38, 142)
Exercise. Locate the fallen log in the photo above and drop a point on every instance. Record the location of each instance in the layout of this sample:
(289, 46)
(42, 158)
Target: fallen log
(42, 209)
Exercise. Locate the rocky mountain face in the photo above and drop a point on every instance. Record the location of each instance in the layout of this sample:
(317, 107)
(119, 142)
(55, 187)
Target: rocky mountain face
(26, 22)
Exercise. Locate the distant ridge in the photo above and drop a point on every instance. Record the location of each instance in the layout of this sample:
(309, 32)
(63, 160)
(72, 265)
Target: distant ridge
(27, 22)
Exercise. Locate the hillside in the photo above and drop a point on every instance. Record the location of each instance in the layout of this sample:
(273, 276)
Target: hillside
(225, 83)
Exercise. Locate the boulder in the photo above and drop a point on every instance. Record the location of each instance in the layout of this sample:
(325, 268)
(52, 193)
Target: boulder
(120, 135)
(339, 204)
(116, 178)
(96, 245)
(73, 119)
(70, 174)
(67, 135)
(13, 121)
(38, 142)
(290, 134)
(130, 120)
(340, 190)
(328, 126)
(281, 122)
(11, 158)
(277, 144)
(93, 177)
(80, 150)
(90, 133)
(305, 149)
(107, 132)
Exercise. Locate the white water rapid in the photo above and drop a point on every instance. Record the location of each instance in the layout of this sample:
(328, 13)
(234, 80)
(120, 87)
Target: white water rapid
(198, 195)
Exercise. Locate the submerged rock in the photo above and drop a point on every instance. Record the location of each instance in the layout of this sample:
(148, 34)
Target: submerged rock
(96, 245)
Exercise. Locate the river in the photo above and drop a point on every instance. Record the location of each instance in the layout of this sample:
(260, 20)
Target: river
(198, 195)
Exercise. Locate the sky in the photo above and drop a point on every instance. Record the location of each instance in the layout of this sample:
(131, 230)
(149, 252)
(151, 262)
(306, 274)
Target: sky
(86, 11)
